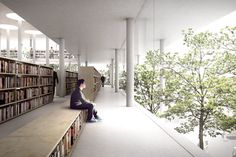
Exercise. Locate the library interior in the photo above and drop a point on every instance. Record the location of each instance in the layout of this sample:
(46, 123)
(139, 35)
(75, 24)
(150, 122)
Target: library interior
(47, 46)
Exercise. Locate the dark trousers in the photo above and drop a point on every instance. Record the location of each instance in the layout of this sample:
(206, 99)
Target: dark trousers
(89, 107)
(53, 91)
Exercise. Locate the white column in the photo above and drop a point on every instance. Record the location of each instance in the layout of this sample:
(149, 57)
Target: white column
(62, 78)
(112, 73)
(34, 48)
(47, 51)
(19, 53)
(8, 43)
(161, 54)
(130, 61)
(116, 71)
(162, 84)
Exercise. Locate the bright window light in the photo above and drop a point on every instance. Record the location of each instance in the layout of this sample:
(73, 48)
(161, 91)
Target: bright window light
(8, 27)
(33, 32)
(14, 16)
(216, 26)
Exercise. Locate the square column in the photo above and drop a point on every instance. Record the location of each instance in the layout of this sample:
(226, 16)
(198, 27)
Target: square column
(112, 73)
(47, 51)
(34, 48)
(62, 77)
(116, 71)
(130, 61)
(8, 43)
(19, 53)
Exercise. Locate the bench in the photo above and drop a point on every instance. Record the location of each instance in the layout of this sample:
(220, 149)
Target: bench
(48, 136)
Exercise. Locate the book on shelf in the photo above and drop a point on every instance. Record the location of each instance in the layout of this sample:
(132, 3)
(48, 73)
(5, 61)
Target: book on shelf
(7, 97)
(7, 82)
(44, 71)
(46, 89)
(27, 93)
(22, 88)
(26, 81)
(64, 147)
(46, 81)
(25, 68)
(7, 66)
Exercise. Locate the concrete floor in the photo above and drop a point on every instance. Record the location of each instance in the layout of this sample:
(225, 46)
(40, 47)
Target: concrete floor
(123, 132)
(126, 132)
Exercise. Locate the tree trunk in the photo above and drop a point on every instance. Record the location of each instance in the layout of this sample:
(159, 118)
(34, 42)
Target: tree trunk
(201, 129)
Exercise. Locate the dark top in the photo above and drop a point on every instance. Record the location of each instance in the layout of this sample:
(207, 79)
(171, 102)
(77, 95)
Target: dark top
(103, 79)
(55, 78)
(77, 98)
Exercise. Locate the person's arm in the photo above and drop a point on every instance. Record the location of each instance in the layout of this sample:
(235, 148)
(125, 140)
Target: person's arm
(81, 98)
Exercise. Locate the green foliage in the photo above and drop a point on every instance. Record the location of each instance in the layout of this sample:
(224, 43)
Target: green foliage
(204, 88)
(122, 80)
(147, 82)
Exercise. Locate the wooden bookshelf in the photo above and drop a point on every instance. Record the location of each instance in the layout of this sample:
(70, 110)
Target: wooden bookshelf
(23, 87)
(66, 145)
(93, 81)
(71, 81)
(46, 136)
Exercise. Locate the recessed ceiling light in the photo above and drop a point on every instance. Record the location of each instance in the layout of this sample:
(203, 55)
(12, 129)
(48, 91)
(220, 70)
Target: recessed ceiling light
(8, 27)
(14, 16)
(33, 32)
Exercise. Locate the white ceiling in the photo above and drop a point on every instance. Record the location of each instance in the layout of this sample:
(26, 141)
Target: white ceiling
(96, 27)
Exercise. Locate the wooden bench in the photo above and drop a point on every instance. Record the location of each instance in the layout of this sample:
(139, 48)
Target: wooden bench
(47, 136)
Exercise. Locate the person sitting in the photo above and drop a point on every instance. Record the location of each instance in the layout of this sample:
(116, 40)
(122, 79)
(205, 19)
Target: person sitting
(78, 101)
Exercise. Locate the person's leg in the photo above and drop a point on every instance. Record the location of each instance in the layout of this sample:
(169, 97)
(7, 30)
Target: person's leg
(89, 107)
(53, 92)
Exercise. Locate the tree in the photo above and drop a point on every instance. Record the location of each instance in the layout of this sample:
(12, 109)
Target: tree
(123, 80)
(204, 93)
(148, 92)
(226, 40)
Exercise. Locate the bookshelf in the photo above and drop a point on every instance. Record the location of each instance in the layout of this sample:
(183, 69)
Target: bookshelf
(71, 81)
(65, 145)
(23, 87)
(93, 81)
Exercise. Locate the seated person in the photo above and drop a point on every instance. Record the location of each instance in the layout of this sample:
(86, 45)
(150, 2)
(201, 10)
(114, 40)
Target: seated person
(78, 101)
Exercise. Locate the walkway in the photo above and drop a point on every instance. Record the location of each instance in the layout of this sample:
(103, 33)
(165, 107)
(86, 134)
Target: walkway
(127, 132)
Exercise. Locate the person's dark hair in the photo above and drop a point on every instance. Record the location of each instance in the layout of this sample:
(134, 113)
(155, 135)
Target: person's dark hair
(80, 81)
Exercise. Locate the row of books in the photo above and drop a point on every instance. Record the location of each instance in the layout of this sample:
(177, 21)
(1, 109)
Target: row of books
(14, 110)
(7, 97)
(26, 81)
(68, 140)
(46, 81)
(46, 71)
(26, 93)
(46, 99)
(11, 82)
(70, 88)
(7, 66)
(23, 68)
(71, 74)
(71, 79)
(46, 90)
(7, 82)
